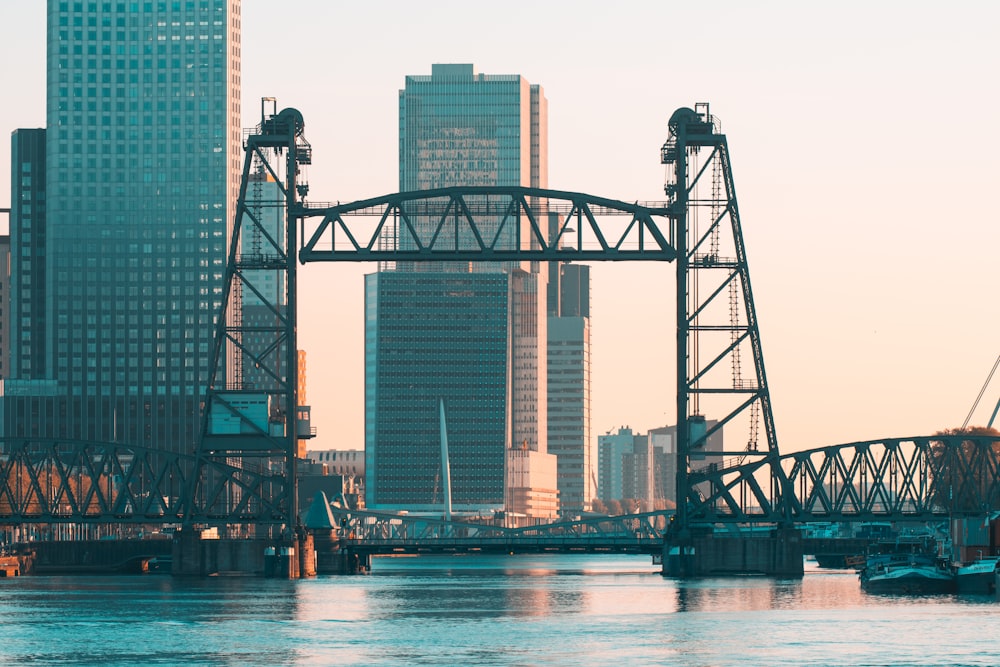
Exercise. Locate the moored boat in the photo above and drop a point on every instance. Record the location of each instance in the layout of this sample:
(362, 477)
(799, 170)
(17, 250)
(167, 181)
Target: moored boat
(906, 567)
(978, 577)
(914, 577)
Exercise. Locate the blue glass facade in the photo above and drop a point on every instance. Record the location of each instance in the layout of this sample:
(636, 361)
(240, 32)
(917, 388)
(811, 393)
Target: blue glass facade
(472, 335)
(143, 159)
(27, 344)
(431, 337)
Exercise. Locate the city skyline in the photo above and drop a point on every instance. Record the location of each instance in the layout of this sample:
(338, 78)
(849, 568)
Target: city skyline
(871, 263)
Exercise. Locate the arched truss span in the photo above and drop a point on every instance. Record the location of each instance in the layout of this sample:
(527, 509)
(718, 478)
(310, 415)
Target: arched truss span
(488, 224)
(917, 478)
(77, 481)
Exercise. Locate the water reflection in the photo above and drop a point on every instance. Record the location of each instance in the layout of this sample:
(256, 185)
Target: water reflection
(482, 610)
(472, 587)
(816, 591)
(132, 620)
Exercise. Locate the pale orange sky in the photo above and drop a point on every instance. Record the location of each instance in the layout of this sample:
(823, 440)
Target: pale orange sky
(864, 144)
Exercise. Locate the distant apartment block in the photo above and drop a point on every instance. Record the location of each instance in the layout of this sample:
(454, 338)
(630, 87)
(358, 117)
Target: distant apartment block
(644, 467)
(347, 462)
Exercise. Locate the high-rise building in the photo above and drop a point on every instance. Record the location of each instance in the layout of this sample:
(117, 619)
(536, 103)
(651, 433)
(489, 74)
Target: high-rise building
(142, 168)
(472, 335)
(569, 385)
(4, 305)
(26, 299)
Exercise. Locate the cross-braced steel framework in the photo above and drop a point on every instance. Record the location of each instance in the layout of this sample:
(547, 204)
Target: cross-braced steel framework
(390, 533)
(252, 422)
(720, 363)
(918, 479)
(496, 224)
(244, 470)
(77, 481)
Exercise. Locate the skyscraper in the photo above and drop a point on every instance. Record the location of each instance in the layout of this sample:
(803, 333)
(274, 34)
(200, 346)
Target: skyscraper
(472, 335)
(4, 305)
(142, 169)
(27, 271)
(569, 385)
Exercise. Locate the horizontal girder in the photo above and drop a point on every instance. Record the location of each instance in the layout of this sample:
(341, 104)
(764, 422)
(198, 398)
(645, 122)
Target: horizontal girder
(487, 224)
(382, 532)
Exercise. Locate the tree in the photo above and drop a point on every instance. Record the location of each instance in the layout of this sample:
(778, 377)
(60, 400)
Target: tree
(965, 469)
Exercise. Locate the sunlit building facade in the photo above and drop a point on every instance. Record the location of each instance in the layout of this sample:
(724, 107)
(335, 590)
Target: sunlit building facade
(568, 398)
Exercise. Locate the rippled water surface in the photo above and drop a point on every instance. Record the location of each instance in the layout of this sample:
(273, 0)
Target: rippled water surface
(486, 610)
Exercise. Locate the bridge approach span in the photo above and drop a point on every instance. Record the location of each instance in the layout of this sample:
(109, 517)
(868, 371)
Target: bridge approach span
(924, 478)
(51, 481)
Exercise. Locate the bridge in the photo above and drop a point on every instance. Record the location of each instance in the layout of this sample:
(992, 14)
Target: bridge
(244, 474)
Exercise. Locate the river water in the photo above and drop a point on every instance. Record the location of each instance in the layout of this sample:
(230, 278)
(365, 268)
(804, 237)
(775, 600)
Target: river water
(489, 610)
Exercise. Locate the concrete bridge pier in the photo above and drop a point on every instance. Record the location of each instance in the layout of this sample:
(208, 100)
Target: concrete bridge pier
(354, 562)
(291, 558)
(777, 553)
(201, 553)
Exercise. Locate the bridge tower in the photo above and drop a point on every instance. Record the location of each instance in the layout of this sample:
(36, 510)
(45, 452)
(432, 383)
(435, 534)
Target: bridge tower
(720, 366)
(253, 421)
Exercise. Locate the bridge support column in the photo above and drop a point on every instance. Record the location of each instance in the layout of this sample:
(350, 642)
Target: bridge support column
(291, 559)
(776, 554)
(307, 555)
(331, 557)
(190, 556)
(353, 562)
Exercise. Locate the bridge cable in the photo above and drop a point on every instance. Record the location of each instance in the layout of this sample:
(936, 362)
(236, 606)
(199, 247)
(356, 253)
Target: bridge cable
(980, 396)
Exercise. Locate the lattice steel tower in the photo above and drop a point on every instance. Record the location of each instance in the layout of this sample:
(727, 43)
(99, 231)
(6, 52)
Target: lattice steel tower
(716, 322)
(254, 421)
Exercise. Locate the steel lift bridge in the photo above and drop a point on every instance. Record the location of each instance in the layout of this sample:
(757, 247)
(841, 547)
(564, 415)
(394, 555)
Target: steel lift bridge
(244, 469)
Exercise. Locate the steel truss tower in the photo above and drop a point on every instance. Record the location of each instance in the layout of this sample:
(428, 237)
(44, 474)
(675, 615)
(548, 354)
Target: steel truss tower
(252, 422)
(720, 366)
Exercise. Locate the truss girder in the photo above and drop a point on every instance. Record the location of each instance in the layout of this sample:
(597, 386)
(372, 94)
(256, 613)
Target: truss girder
(918, 478)
(372, 528)
(86, 482)
(487, 224)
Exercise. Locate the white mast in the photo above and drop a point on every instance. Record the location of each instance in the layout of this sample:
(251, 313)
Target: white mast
(445, 467)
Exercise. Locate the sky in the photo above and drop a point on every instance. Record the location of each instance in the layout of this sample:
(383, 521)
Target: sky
(864, 141)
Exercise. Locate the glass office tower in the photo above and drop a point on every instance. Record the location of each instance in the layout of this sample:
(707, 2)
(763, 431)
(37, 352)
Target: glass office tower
(470, 334)
(26, 299)
(143, 161)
